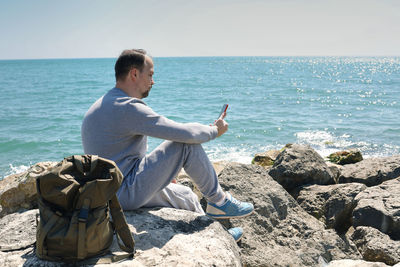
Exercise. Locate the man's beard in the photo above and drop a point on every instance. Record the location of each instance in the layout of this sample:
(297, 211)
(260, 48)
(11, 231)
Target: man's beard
(146, 94)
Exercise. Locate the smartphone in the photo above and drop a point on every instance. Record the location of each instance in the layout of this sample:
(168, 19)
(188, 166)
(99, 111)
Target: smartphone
(224, 108)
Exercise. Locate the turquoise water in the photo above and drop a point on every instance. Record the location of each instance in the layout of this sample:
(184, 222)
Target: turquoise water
(330, 103)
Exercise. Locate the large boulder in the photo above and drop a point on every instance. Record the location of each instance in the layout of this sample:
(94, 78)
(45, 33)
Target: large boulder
(280, 232)
(18, 191)
(379, 207)
(371, 171)
(298, 165)
(164, 237)
(331, 204)
(376, 246)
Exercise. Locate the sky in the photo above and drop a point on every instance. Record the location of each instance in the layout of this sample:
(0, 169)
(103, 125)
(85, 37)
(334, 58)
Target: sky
(33, 29)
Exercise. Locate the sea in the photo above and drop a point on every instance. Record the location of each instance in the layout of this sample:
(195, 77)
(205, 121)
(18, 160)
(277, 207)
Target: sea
(329, 103)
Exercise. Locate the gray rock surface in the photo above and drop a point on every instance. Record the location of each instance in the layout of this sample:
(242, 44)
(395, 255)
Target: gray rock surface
(335, 170)
(18, 230)
(376, 246)
(379, 207)
(299, 165)
(280, 232)
(371, 171)
(164, 237)
(331, 204)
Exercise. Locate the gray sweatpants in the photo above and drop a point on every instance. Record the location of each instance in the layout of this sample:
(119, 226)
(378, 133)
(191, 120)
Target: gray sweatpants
(150, 183)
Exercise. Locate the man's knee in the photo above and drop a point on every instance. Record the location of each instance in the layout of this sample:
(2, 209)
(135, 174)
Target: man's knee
(173, 145)
(184, 146)
(195, 147)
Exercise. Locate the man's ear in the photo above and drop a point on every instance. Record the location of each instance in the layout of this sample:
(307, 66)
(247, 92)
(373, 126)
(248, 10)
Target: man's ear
(133, 74)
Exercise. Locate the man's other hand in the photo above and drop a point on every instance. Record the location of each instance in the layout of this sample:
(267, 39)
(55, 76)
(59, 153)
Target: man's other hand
(221, 124)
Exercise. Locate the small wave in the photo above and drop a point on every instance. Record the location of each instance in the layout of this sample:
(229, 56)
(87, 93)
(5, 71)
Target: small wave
(15, 169)
(231, 154)
(242, 154)
(315, 137)
(326, 143)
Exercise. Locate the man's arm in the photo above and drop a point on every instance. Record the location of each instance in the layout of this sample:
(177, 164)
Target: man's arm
(142, 120)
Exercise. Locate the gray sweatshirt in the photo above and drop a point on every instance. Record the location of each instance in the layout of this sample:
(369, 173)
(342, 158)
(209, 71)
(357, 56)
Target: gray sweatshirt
(116, 127)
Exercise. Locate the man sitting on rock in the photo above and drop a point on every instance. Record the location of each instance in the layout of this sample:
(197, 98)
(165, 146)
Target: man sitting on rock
(116, 127)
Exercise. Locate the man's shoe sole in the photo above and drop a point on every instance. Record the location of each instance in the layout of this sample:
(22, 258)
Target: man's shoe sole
(240, 238)
(229, 217)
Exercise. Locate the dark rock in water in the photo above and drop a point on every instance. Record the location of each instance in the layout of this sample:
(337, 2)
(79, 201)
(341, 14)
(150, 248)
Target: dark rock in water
(379, 207)
(346, 157)
(299, 165)
(265, 159)
(371, 171)
(376, 246)
(331, 204)
(280, 232)
(164, 237)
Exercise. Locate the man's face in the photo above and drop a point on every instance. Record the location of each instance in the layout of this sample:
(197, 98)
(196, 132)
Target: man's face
(145, 77)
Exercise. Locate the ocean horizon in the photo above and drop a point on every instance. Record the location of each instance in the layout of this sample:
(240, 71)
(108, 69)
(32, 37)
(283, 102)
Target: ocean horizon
(329, 103)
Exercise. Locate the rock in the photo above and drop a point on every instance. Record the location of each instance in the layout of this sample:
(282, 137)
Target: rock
(376, 246)
(279, 232)
(371, 171)
(186, 237)
(331, 204)
(379, 207)
(18, 230)
(354, 263)
(335, 170)
(164, 237)
(219, 166)
(299, 165)
(346, 157)
(18, 191)
(265, 159)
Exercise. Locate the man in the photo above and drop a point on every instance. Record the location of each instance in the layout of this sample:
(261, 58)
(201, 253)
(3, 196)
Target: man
(116, 127)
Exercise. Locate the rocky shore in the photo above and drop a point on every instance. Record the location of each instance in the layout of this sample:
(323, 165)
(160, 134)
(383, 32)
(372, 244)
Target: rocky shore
(308, 212)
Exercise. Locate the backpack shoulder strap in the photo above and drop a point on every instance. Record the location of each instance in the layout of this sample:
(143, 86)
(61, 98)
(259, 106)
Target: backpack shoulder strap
(43, 232)
(82, 219)
(121, 226)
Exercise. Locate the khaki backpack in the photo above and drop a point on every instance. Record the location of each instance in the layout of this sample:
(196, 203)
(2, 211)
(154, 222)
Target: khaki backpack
(75, 200)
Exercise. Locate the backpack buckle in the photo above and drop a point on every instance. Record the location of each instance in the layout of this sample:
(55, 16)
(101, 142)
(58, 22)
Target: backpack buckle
(84, 211)
(83, 214)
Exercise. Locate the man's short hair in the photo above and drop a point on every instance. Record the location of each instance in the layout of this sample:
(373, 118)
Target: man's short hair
(129, 59)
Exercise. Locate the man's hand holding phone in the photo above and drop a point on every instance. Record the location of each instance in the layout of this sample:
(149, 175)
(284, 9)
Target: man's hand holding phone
(221, 124)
